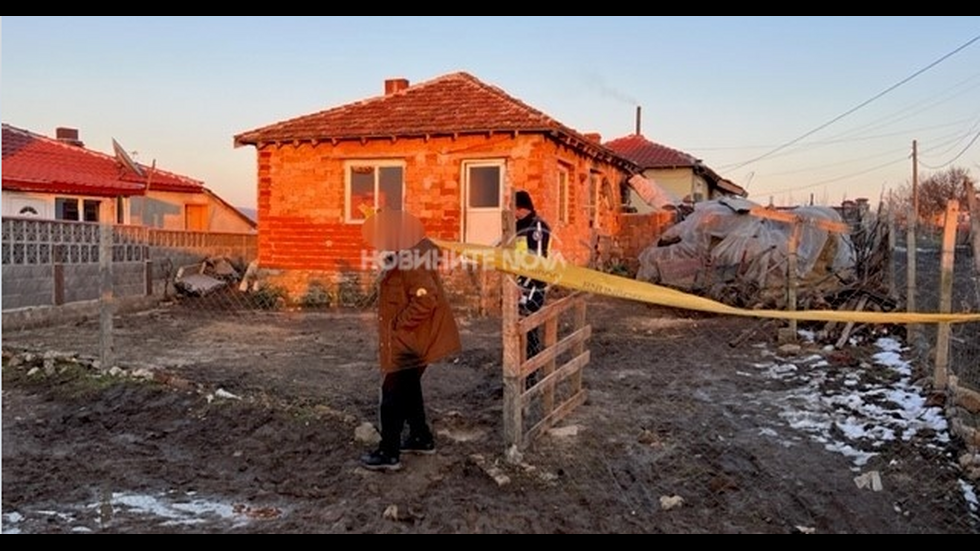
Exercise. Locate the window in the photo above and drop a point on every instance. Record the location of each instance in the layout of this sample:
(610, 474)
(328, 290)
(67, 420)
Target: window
(66, 208)
(563, 210)
(373, 187)
(484, 187)
(90, 210)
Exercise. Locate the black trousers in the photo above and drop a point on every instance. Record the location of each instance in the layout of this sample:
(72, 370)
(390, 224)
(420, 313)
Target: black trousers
(534, 344)
(402, 403)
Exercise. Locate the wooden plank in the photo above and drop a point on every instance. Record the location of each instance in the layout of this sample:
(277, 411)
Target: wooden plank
(563, 411)
(554, 309)
(550, 355)
(849, 328)
(941, 375)
(790, 218)
(570, 369)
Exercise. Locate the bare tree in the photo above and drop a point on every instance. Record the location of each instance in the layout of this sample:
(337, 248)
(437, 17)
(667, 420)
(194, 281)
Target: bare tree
(935, 192)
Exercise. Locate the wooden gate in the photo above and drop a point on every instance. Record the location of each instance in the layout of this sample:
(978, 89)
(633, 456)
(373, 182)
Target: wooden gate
(556, 371)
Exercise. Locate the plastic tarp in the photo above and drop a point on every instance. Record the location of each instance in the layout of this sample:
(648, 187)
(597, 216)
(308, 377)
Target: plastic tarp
(722, 243)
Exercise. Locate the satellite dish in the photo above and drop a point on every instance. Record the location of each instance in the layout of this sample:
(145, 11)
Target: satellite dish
(126, 160)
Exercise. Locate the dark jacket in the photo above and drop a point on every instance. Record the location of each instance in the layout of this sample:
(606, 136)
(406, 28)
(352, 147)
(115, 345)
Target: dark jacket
(416, 325)
(537, 234)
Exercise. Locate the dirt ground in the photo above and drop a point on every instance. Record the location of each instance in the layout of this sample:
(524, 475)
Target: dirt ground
(248, 423)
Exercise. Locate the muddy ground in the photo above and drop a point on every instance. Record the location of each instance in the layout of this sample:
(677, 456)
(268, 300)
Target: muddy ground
(247, 422)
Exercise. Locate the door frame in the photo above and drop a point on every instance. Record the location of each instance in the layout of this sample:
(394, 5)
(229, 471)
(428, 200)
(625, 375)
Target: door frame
(465, 167)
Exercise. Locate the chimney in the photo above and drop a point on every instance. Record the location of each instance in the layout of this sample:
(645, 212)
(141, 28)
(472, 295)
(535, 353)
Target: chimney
(68, 136)
(395, 85)
(638, 133)
(594, 137)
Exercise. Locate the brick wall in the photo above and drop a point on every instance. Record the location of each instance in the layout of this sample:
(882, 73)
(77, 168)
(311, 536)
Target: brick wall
(304, 235)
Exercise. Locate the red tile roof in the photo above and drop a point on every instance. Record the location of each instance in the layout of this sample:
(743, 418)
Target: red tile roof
(36, 163)
(453, 104)
(648, 154)
(651, 155)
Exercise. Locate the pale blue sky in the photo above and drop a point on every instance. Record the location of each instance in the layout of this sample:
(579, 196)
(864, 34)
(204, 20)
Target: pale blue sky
(785, 106)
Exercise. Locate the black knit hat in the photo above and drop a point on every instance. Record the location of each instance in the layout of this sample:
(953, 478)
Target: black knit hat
(523, 200)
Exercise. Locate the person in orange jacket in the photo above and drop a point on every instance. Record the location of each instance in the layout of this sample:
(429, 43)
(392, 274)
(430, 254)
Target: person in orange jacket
(416, 328)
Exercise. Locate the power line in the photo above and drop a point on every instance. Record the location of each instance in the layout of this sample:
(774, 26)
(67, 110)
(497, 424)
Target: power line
(958, 155)
(837, 179)
(861, 105)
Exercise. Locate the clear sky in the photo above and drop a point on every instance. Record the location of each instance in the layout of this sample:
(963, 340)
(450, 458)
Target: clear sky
(784, 106)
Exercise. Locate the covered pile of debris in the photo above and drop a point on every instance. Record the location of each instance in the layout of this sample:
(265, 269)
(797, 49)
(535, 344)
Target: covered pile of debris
(738, 252)
(207, 276)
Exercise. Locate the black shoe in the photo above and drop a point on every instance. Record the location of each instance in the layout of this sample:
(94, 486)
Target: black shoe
(378, 460)
(423, 446)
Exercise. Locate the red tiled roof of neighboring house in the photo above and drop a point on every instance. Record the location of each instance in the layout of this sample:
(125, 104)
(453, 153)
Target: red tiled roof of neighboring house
(651, 155)
(453, 104)
(36, 163)
(648, 154)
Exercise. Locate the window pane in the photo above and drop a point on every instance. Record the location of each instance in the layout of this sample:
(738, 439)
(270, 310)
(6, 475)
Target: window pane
(91, 210)
(66, 209)
(484, 187)
(361, 191)
(390, 187)
(562, 196)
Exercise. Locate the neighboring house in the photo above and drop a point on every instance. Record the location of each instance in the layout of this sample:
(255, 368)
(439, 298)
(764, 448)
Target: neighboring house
(453, 151)
(685, 177)
(59, 179)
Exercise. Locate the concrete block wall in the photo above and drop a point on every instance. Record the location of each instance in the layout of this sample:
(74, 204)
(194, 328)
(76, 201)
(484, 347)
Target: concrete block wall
(46, 262)
(25, 286)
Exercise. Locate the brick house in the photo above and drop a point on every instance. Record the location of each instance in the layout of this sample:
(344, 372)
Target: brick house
(60, 179)
(453, 151)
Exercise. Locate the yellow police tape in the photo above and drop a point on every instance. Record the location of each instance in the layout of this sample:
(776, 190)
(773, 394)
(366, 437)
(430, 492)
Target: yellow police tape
(563, 274)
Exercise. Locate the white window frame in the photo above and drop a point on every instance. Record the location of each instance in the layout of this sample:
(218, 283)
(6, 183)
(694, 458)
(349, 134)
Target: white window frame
(376, 163)
(80, 204)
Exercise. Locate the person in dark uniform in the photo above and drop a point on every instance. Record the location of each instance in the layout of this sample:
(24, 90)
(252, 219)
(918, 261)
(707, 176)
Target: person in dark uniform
(534, 237)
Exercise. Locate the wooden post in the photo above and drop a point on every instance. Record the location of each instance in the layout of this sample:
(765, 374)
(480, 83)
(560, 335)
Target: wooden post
(892, 245)
(946, 298)
(58, 255)
(792, 274)
(510, 318)
(912, 249)
(971, 197)
(581, 320)
(550, 340)
(106, 303)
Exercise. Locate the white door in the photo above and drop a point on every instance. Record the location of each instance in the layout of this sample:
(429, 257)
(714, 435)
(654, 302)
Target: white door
(483, 185)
